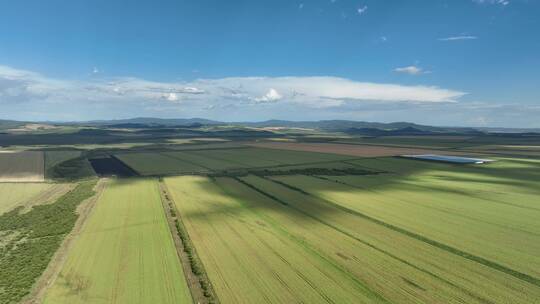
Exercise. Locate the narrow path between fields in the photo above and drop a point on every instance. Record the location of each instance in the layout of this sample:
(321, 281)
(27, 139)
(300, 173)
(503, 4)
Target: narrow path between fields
(195, 282)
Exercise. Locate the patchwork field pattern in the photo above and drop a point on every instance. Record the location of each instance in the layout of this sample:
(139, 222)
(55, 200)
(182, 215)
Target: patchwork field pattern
(427, 232)
(24, 166)
(125, 252)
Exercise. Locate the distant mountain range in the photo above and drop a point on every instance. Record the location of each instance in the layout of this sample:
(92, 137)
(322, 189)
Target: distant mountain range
(347, 126)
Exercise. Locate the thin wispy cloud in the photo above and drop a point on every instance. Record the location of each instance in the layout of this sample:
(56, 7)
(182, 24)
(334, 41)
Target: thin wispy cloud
(458, 38)
(411, 70)
(499, 2)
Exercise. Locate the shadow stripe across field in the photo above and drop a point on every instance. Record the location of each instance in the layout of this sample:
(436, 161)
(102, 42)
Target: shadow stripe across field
(326, 223)
(519, 275)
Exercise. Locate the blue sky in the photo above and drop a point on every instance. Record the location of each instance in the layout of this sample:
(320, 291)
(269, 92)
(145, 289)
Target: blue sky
(459, 62)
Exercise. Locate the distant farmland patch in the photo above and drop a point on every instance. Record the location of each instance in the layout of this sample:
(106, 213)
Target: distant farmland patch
(109, 166)
(202, 161)
(26, 166)
(342, 149)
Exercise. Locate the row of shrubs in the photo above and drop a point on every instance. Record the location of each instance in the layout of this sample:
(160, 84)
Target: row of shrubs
(195, 264)
(298, 171)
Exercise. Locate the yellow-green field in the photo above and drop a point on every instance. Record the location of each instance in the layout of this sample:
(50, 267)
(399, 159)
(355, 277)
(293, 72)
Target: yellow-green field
(425, 232)
(23, 166)
(249, 260)
(125, 252)
(13, 195)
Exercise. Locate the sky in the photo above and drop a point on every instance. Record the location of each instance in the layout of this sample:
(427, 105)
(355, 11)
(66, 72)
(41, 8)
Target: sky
(437, 62)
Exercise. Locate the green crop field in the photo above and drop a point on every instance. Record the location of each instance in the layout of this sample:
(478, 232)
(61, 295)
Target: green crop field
(474, 209)
(125, 252)
(425, 231)
(157, 164)
(251, 260)
(182, 162)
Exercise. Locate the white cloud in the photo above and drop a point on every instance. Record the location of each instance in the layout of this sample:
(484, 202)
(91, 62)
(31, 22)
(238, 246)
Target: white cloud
(271, 96)
(18, 87)
(500, 2)
(95, 70)
(411, 70)
(172, 97)
(362, 10)
(27, 95)
(456, 38)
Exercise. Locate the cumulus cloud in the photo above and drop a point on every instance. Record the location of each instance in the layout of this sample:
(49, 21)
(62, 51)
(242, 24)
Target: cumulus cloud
(171, 97)
(271, 96)
(411, 70)
(457, 38)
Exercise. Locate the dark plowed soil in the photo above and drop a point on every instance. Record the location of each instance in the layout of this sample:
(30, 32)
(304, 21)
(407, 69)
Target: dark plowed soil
(111, 166)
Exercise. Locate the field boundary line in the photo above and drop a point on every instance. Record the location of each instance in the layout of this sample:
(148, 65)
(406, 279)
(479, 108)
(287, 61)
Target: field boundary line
(307, 246)
(184, 160)
(195, 282)
(49, 276)
(494, 265)
(465, 216)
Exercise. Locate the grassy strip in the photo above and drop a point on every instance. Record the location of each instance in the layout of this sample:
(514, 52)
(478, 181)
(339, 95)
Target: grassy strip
(494, 265)
(37, 235)
(194, 261)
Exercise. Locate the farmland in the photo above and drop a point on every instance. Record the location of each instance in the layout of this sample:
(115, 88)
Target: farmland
(181, 215)
(182, 162)
(28, 194)
(241, 218)
(28, 240)
(344, 149)
(243, 253)
(24, 166)
(125, 252)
